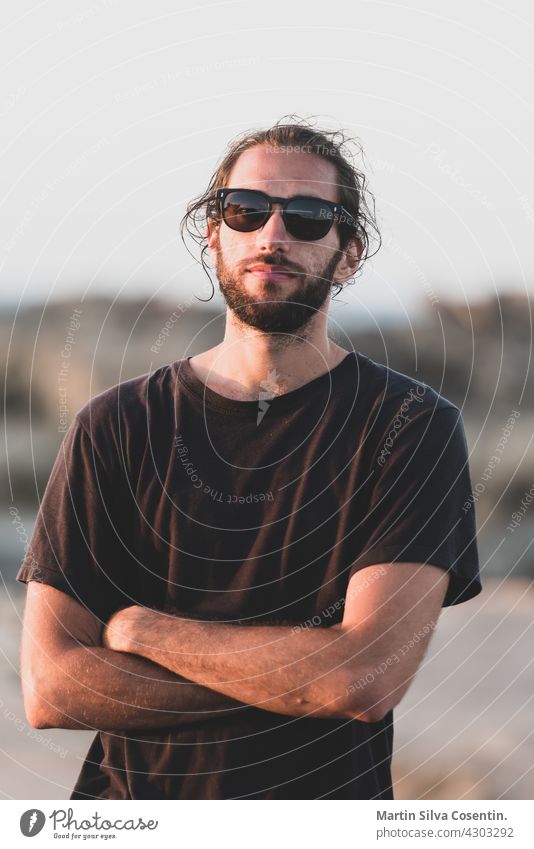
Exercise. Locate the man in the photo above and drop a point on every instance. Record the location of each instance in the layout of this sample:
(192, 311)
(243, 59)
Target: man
(240, 558)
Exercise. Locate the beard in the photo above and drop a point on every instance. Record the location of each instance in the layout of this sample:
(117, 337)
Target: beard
(275, 316)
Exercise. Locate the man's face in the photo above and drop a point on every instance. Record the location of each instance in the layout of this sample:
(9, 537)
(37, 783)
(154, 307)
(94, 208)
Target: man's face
(269, 279)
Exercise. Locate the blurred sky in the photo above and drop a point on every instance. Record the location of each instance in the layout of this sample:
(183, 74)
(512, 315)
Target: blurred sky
(115, 112)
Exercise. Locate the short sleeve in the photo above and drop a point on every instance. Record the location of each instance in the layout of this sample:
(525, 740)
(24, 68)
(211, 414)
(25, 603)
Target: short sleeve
(420, 508)
(77, 543)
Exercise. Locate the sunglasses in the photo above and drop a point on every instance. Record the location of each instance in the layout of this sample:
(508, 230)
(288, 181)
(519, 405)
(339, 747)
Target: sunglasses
(305, 218)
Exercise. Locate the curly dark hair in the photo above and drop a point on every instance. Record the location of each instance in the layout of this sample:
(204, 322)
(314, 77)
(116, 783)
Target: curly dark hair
(288, 133)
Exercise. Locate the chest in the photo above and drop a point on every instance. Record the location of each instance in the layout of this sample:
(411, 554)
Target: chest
(222, 537)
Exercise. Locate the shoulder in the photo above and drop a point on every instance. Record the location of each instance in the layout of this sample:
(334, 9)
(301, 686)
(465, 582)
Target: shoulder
(395, 409)
(386, 392)
(118, 415)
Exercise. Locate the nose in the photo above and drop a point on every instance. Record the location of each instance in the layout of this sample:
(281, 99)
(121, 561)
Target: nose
(273, 233)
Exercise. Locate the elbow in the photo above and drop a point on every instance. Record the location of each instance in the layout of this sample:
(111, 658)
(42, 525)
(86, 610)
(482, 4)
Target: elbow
(37, 719)
(374, 713)
(37, 706)
(347, 694)
(366, 701)
(345, 697)
(36, 712)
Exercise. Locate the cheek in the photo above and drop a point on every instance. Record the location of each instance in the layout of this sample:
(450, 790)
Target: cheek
(332, 252)
(235, 246)
(317, 255)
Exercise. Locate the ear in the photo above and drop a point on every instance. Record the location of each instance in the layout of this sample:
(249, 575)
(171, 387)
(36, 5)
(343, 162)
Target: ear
(212, 233)
(349, 261)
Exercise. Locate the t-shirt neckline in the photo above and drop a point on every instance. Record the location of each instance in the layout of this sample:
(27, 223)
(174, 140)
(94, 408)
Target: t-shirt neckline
(329, 380)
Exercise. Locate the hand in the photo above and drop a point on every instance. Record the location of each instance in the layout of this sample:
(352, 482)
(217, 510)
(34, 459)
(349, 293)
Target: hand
(119, 633)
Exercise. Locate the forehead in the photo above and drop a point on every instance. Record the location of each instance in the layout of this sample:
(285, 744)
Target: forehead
(284, 173)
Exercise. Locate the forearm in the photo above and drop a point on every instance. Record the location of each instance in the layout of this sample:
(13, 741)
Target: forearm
(95, 687)
(276, 668)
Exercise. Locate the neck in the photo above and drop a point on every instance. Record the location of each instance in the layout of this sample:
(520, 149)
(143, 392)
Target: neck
(249, 361)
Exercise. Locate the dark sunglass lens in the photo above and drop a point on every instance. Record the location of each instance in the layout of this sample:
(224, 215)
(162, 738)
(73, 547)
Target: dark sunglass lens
(245, 211)
(308, 219)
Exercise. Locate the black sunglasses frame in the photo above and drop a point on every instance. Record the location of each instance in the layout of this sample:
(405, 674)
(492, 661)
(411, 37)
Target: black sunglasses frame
(338, 213)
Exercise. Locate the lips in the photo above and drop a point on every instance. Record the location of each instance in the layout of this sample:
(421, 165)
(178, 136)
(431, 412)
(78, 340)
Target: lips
(270, 269)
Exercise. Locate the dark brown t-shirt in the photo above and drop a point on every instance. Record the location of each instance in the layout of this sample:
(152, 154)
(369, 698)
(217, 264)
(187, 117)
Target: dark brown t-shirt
(167, 494)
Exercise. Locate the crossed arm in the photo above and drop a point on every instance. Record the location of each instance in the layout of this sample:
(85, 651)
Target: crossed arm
(69, 680)
(149, 670)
